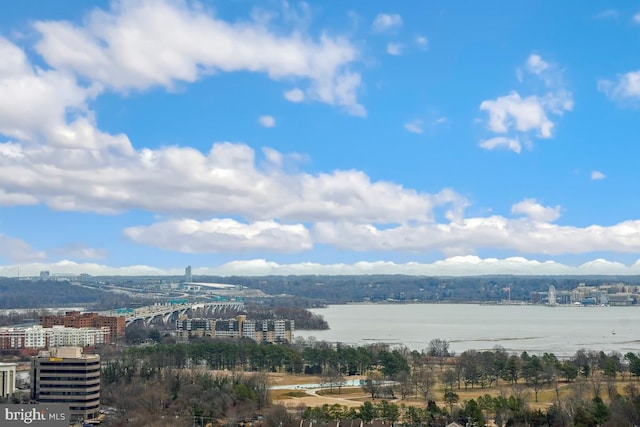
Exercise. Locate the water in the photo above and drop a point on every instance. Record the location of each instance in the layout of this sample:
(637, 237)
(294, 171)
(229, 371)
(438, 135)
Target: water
(517, 328)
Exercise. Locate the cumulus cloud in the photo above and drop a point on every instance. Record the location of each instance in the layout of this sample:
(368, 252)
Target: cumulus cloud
(294, 95)
(17, 250)
(535, 64)
(385, 22)
(597, 175)
(514, 112)
(394, 49)
(626, 87)
(128, 48)
(469, 265)
(80, 251)
(607, 14)
(514, 115)
(267, 121)
(462, 237)
(501, 142)
(67, 267)
(415, 126)
(422, 42)
(535, 211)
(33, 102)
(221, 236)
(224, 181)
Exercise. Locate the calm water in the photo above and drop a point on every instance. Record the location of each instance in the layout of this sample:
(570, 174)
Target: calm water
(536, 329)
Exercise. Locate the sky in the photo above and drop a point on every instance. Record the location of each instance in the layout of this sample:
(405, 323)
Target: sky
(329, 137)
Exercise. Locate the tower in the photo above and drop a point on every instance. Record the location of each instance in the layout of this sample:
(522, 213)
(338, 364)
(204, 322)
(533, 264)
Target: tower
(187, 274)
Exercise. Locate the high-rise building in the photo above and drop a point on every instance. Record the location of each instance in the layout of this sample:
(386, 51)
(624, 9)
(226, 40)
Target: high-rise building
(187, 275)
(7, 379)
(65, 375)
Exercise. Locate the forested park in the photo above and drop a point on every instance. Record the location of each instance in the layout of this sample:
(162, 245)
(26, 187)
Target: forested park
(228, 380)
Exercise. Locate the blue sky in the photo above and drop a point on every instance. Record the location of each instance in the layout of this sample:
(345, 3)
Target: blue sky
(330, 137)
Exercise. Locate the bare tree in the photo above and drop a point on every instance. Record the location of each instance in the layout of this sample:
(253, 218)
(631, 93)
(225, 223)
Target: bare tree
(425, 381)
(403, 384)
(439, 349)
(372, 384)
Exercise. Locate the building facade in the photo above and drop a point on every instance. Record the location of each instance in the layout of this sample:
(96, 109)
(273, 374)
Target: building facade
(274, 330)
(7, 379)
(37, 337)
(65, 375)
(75, 319)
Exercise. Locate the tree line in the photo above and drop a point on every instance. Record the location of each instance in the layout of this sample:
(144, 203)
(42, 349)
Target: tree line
(589, 388)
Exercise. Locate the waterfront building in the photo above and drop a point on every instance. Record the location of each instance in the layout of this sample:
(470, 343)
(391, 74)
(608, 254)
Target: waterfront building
(37, 337)
(7, 379)
(75, 319)
(66, 375)
(272, 330)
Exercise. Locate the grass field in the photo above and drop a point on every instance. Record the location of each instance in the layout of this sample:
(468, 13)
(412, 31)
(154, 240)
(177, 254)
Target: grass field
(355, 396)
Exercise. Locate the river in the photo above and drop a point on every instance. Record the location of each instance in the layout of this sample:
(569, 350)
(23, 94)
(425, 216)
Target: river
(561, 330)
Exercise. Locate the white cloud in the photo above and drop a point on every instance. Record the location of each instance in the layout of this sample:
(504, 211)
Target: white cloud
(535, 64)
(536, 211)
(267, 121)
(221, 236)
(33, 101)
(514, 112)
(606, 14)
(183, 181)
(518, 116)
(385, 22)
(501, 142)
(67, 267)
(17, 250)
(294, 95)
(80, 251)
(597, 175)
(463, 237)
(415, 126)
(636, 18)
(422, 42)
(394, 49)
(129, 47)
(469, 265)
(625, 88)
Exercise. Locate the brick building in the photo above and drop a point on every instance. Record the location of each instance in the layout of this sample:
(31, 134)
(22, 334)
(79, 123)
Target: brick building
(75, 319)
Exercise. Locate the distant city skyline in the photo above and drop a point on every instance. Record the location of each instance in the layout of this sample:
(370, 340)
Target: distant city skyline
(253, 138)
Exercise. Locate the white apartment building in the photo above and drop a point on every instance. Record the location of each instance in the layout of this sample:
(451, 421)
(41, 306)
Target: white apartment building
(37, 337)
(7, 379)
(60, 336)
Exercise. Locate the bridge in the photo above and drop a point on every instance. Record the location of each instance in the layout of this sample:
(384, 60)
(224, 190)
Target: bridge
(171, 312)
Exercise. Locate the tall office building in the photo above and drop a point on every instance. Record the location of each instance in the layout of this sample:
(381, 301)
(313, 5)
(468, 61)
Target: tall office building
(7, 379)
(65, 375)
(187, 275)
